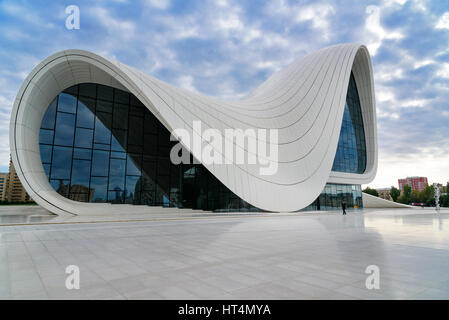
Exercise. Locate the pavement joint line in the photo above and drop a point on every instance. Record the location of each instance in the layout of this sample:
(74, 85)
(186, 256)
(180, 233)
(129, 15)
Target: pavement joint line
(163, 219)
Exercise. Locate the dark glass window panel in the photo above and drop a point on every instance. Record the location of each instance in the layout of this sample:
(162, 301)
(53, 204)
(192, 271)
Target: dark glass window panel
(137, 111)
(121, 97)
(163, 182)
(85, 116)
(102, 128)
(149, 166)
(120, 116)
(148, 183)
(67, 103)
(85, 154)
(73, 90)
(117, 174)
(61, 163)
(150, 144)
(61, 186)
(163, 167)
(81, 175)
(135, 131)
(98, 189)
(46, 153)
(83, 138)
(118, 155)
(134, 149)
(48, 122)
(105, 93)
(100, 163)
(104, 106)
(133, 164)
(46, 136)
(133, 189)
(150, 124)
(88, 90)
(134, 101)
(148, 197)
(119, 140)
(64, 129)
(116, 197)
(164, 151)
(102, 146)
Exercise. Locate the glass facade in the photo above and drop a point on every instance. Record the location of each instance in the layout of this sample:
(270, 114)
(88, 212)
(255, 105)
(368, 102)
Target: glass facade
(100, 144)
(333, 194)
(351, 152)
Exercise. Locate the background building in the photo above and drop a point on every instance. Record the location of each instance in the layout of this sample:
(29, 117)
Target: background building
(416, 183)
(14, 190)
(3, 178)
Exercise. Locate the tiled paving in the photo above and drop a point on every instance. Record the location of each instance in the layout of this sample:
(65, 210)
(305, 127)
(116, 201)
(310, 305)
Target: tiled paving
(303, 256)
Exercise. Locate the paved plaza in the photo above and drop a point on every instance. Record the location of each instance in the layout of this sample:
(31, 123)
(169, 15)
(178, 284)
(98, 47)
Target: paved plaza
(247, 256)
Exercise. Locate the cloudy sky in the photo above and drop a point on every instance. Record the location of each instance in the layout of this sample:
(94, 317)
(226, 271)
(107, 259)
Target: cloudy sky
(224, 48)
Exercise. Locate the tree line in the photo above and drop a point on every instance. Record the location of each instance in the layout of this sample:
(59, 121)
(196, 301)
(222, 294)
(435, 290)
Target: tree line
(426, 196)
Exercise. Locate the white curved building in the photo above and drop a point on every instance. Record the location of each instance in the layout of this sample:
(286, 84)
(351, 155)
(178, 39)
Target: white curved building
(87, 131)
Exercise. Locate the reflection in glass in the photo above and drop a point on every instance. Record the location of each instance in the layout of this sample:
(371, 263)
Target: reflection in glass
(85, 116)
(64, 129)
(61, 163)
(46, 136)
(83, 138)
(100, 163)
(351, 152)
(81, 173)
(67, 103)
(48, 122)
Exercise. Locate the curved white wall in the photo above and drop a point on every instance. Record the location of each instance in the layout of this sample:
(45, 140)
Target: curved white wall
(304, 101)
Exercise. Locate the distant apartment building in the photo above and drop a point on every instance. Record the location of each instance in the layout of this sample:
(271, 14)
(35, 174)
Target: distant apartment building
(416, 183)
(13, 190)
(384, 193)
(3, 178)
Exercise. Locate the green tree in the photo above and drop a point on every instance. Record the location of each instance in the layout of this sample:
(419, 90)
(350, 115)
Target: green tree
(416, 196)
(395, 193)
(370, 191)
(406, 195)
(428, 195)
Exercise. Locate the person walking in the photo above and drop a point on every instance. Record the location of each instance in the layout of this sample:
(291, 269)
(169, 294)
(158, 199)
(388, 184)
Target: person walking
(343, 206)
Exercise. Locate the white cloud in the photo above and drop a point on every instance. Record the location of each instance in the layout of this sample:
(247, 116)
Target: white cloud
(187, 82)
(423, 63)
(443, 71)
(123, 29)
(318, 15)
(416, 103)
(159, 4)
(376, 32)
(443, 22)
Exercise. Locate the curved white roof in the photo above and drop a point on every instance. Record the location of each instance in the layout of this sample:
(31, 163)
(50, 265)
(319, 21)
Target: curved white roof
(304, 101)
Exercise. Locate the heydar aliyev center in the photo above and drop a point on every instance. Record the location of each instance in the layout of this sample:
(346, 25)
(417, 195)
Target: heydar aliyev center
(90, 135)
